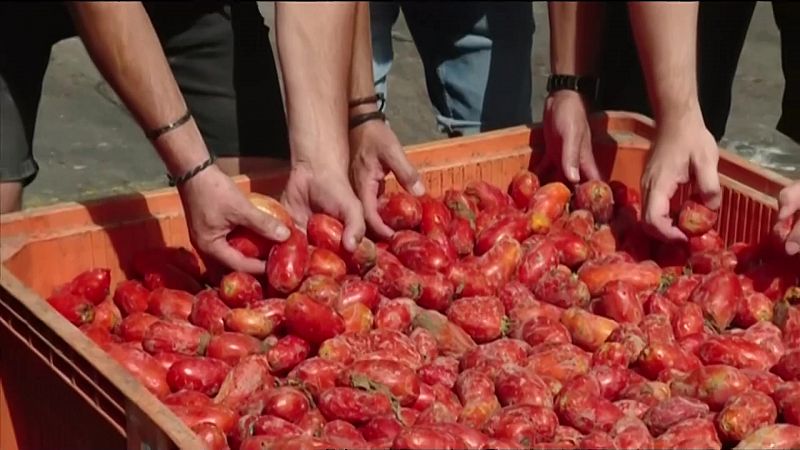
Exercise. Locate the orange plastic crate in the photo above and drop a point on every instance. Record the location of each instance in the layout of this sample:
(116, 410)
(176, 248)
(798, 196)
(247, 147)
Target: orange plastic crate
(59, 390)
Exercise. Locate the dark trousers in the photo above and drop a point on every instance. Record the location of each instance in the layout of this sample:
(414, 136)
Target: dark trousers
(219, 53)
(722, 27)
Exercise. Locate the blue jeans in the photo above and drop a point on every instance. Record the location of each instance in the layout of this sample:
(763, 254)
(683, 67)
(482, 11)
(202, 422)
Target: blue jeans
(477, 59)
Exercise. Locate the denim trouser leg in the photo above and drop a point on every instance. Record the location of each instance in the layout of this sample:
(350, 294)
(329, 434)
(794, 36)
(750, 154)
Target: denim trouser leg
(476, 55)
(383, 15)
(477, 59)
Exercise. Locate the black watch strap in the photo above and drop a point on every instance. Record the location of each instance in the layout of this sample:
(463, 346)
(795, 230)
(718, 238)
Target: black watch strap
(584, 85)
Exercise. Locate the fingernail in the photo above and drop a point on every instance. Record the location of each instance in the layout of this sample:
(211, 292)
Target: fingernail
(282, 233)
(792, 248)
(418, 189)
(572, 174)
(350, 243)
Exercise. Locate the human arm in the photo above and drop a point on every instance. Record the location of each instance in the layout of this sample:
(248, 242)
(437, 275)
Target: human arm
(575, 38)
(315, 44)
(666, 39)
(123, 44)
(374, 147)
(789, 203)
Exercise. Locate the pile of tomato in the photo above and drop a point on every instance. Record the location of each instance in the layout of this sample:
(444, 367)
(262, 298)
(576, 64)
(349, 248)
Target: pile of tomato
(527, 317)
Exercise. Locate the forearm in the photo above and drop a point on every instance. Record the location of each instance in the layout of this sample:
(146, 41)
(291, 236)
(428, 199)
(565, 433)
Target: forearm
(123, 45)
(315, 44)
(576, 31)
(666, 38)
(361, 79)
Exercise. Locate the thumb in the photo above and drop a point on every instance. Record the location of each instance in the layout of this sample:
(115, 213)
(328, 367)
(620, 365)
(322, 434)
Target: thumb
(264, 224)
(354, 227)
(407, 175)
(707, 181)
(570, 157)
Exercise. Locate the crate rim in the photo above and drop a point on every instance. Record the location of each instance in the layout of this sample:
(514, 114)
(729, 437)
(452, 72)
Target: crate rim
(528, 136)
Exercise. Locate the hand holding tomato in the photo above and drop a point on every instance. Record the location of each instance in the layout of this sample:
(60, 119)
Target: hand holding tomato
(315, 186)
(680, 148)
(375, 151)
(789, 202)
(214, 206)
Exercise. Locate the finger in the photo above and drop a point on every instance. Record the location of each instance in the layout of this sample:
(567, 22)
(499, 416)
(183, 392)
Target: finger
(789, 201)
(570, 158)
(707, 181)
(657, 220)
(354, 227)
(587, 162)
(407, 175)
(793, 240)
(230, 257)
(264, 224)
(368, 193)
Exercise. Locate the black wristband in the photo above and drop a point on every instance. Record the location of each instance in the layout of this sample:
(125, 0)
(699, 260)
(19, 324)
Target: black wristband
(371, 99)
(177, 181)
(362, 118)
(158, 132)
(587, 86)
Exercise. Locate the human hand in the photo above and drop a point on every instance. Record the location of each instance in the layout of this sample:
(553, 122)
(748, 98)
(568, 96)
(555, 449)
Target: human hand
(567, 137)
(214, 206)
(678, 149)
(317, 188)
(376, 151)
(789, 203)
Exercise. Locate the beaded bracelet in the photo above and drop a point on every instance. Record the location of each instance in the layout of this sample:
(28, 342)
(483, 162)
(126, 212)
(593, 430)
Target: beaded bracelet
(177, 181)
(158, 132)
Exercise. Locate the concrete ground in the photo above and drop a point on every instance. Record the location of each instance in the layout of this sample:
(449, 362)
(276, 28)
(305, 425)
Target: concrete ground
(88, 146)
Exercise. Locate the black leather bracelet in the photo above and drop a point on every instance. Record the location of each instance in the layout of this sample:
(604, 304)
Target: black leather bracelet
(177, 181)
(158, 132)
(371, 99)
(362, 118)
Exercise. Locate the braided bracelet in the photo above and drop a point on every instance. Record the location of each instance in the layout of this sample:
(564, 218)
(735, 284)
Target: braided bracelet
(158, 132)
(177, 181)
(362, 118)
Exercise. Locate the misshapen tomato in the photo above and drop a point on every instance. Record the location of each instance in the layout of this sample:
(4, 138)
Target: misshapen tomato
(400, 210)
(719, 295)
(419, 253)
(131, 296)
(523, 186)
(400, 381)
(353, 405)
(288, 263)
(695, 219)
(310, 320)
(170, 304)
(452, 339)
(641, 276)
(198, 374)
(72, 307)
(143, 367)
(597, 197)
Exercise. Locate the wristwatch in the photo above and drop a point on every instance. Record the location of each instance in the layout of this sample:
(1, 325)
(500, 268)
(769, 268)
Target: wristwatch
(584, 85)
